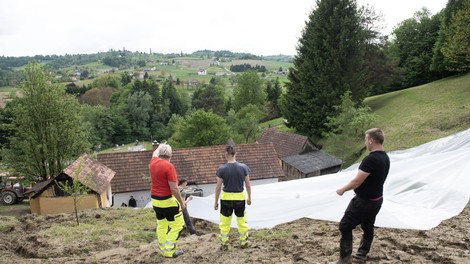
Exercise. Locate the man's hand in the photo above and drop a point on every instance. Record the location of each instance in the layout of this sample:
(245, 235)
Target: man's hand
(248, 201)
(216, 206)
(340, 192)
(189, 198)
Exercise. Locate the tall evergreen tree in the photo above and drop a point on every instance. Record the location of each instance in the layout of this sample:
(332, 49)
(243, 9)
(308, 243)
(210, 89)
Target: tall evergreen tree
(48, 128)
(209, 97)
(329, 61)
(170, 94)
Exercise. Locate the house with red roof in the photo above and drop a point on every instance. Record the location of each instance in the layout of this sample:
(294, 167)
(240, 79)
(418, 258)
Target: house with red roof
(197, 165)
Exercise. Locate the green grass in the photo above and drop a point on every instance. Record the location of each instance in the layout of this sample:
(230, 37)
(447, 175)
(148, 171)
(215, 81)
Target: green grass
(424, 113)
(415, 116)
(113, 225)
(270, 234)
(8, 89)
(147, 146)
(277, 123)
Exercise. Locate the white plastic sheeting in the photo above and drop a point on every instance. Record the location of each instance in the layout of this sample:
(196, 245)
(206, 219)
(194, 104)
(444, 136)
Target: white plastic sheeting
(426, 185)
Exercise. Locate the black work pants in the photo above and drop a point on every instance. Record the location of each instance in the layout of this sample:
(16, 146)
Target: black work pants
(359, 212)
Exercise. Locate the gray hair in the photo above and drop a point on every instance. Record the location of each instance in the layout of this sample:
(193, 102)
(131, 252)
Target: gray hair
(163, 150)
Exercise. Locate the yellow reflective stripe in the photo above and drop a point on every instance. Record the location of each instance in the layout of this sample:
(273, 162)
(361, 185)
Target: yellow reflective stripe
(239, 196)
(170, 202)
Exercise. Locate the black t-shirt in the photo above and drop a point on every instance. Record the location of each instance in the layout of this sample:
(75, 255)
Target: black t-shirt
(233, 176)
(377, 163)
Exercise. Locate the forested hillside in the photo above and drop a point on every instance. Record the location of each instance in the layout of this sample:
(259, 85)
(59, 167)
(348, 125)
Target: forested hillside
(213, 97)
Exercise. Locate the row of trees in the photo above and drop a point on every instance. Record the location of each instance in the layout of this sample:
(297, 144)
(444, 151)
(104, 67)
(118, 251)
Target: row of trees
(341, 59)
(46, 127)
(247, 67)
(341, 52)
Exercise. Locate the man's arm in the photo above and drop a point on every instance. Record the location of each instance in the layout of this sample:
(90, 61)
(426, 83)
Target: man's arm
(218, 188)
(248, 189)
(354, 183)
(176, 193)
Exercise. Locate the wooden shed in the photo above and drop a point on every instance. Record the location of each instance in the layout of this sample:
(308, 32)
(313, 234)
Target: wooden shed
(48, 198)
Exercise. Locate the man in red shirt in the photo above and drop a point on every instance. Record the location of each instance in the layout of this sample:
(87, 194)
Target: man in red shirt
(166, 200)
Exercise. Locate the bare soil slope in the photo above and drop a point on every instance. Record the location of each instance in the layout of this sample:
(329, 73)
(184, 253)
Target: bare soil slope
(301, 241)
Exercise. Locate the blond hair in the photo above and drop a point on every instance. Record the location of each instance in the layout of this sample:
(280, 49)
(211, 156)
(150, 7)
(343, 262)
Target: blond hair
(163, 151)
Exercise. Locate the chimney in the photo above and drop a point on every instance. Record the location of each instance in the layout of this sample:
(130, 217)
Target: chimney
(155, 145)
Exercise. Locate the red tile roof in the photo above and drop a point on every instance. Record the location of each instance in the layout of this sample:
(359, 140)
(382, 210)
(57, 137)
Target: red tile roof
(286, 144)
(197, 165)
(91, 173)
(132, 170)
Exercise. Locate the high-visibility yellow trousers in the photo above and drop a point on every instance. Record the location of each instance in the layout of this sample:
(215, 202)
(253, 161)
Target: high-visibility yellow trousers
(170, 223)
(233, 203)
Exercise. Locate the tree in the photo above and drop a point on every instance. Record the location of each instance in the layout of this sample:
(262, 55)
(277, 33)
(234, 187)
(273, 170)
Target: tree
(48, 129)
(273, 91)
(454, 18)
(76, 190)
(249, 90)
(73, 187)
(456, 48)
(329, 61)
(102, 126)
(209, 97)
(351, 120)
(200, 129)
(349, 124)
(170, 94)
(414, 39)
(140, 107)
(382, 71)
(247, 122)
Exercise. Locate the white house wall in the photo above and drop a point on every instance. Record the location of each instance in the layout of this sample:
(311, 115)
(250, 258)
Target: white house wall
(143, 197)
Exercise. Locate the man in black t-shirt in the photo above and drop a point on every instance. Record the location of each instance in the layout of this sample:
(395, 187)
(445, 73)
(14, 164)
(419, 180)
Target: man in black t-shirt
(364, 207)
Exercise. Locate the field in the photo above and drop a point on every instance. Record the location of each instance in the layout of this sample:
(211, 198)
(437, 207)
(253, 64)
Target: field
(127, 235)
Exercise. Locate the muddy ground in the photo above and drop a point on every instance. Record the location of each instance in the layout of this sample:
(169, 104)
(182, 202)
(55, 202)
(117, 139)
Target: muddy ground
(301, 241)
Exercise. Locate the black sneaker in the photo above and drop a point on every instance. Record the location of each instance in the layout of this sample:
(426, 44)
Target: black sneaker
(177, 253)
(360, 256)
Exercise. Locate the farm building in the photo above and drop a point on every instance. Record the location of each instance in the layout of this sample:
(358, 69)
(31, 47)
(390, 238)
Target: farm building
(49, 198)
(300, 158)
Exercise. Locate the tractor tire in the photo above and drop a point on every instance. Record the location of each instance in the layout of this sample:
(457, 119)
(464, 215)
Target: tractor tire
(8, 198)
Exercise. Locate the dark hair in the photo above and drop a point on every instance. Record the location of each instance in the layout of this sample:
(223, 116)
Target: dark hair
(182, 181)
(230, 150)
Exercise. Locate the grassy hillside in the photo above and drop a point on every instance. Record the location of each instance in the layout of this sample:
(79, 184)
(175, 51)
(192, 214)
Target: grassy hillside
(424, 113)
(417, 115)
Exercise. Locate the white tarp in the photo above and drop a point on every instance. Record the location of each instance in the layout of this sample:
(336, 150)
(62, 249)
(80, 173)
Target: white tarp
(426, 185)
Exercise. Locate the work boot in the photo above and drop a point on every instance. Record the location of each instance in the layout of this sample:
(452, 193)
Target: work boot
(223, 247)
(177, 253)
(363, 249)
(345, 250)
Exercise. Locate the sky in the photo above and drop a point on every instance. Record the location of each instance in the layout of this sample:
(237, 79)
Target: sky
(260, 27)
